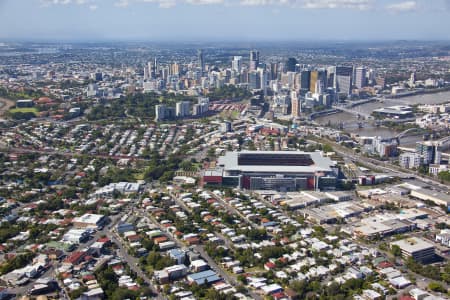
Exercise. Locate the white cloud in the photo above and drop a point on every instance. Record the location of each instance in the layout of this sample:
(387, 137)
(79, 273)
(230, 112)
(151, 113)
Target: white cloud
(54, 2)
(88, 3)
(330, 4)
(122, 3)
(204, 2)
(390, 6)
(167, 4)
(402, 6)
(255, 2)
(162, 3)
(313, 4)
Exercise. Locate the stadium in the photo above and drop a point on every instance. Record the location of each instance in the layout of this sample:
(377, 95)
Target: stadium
(273, 170)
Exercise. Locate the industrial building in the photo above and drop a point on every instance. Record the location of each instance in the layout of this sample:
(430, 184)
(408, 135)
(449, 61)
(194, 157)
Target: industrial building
(430, 195)
(416, 248)
(274, 170)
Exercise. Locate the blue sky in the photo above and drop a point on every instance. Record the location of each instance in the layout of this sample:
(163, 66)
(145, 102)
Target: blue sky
(203, 20)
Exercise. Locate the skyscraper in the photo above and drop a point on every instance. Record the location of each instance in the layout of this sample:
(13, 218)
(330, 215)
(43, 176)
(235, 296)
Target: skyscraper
(146, 73)
(201, 61)
(263, 79)
(182, 109)
(305, 79)
(236, 64)
(313, 81)
(254, 60)
(153, 68)
(331, 77)
(412, 79)
(175, 69)
(254, 80)
(360, 77)
(290, 64)
(160, 112)
(273, 71)
(296, 105)
(344, 80)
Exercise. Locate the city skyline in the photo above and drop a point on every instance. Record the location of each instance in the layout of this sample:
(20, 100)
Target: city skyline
(215, 20)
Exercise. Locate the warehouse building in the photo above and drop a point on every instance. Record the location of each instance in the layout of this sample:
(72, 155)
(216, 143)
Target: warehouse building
(429, 195)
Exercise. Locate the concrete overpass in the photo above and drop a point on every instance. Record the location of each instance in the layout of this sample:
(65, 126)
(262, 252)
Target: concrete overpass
(352, 111)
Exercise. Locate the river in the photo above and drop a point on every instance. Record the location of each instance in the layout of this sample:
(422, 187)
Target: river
(350, 121)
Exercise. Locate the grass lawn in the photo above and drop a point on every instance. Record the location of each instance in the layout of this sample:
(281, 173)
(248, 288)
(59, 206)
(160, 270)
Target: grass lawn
(24, 110)
(139, 176)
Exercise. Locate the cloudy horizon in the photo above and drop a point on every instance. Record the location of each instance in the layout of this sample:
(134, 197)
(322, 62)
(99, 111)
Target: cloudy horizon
(184, 20)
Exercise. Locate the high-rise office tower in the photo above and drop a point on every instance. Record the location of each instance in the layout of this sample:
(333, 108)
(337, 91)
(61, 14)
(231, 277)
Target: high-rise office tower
(323, 78)
(344, 80)
(296, 105)
(274, 71)
(201, 61)
(412, 79)
(290, 64)
(305, 79)
(150, 70)
(331, 77)
(313, 81)
(146, 73)
(254, 60)
(154, 70)
(263, 77)
(254, 80)
(318, 81)
(244, 76)
(182, 109)
(160, 112)
(236, 64)
(175, 69)
(360, 77)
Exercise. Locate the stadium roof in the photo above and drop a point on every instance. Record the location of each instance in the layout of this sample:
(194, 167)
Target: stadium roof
(276, 161)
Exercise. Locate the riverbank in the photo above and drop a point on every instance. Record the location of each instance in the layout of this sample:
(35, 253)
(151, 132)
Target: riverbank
(350, 123)
(419, 92)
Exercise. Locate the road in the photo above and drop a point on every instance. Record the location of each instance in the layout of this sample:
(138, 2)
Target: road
(198, 248)
(234, 211)
(133, 263)
(384, 166)
(3, 148)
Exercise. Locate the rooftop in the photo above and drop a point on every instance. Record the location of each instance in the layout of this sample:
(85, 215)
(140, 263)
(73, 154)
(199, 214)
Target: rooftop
(275, 161)
(412, 244)
(88, 218)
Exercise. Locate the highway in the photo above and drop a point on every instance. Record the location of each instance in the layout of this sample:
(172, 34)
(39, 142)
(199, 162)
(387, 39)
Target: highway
(384, 166)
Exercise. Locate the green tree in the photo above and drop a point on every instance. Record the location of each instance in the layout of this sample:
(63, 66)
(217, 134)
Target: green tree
(396, 251)
(436, 287)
